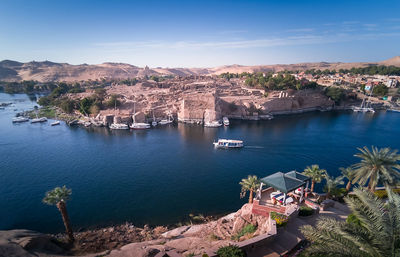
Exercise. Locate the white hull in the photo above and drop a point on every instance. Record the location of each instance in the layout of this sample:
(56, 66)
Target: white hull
(37, 120)
(140, 126)
(213, 124)
(55, 123)
(225, 120)
(165, 122)
(154, 123)
(20, 119)
(119, 126)
(228, 143)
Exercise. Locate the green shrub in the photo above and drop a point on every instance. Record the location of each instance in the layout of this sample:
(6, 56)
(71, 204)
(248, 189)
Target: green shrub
(248, 229)
(383, 194)
(305, 211)
(281, 219)
(231, 251)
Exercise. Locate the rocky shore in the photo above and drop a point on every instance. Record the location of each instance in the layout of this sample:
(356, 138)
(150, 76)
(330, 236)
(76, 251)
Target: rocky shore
(128, 240)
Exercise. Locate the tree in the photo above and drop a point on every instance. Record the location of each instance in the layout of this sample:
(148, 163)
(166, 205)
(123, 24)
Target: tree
(380, 90)
(315, 173)
(375, 234)
(250, 184)
(335, 93)
(331, 186)
(347, 173)
(377, 166)
(59, 196)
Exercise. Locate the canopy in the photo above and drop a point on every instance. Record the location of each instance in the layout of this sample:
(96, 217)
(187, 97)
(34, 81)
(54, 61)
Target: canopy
(282, 182)
(298, 175)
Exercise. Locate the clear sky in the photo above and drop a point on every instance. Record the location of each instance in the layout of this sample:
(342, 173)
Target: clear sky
(171, 33)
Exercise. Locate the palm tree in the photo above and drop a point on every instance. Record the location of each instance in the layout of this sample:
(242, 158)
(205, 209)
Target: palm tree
(377, 233)
(59, 196)
(250, 184)
(315, 173)
(331, 186)
(347, 173)
(378, 166)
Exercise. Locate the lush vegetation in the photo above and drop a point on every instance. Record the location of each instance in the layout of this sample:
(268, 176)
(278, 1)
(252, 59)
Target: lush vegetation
(335, 93)
(380, 90)
(231, 251)
(250, 184)
(373, 230)
(280, 219)
(315, 173)
(59, 197)
(370, 70)
(249, 229)
(306, 211)
(377, 166)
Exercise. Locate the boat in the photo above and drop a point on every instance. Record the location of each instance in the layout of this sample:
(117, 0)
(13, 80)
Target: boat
(20, 119)
(225, 120)
(57, 122)
(169, 120)
(228, 143)
(213, 124)
(154, 122)
(37, 120)
(364, 105)
(119, 126)
(138, 125)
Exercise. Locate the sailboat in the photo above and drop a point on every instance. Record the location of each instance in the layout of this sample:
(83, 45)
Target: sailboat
(57, 122)
(138, 125)
(169, 120)
(37, 119)
(364, 105)
(118, 126)
(154, 122)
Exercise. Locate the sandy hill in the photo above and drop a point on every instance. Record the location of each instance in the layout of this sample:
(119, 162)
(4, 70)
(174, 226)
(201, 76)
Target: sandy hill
(51, 71)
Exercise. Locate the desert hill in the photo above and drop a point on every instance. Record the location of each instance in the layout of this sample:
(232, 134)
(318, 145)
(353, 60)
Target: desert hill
(50, 71)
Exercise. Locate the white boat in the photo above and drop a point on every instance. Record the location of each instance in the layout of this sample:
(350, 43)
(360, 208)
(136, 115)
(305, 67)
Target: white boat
(364, 105)
(225, 120)
(20, 119)
(119, 126)
(213, 124)
(138, 125)
(57, 122)
(37, 120)
(169, 120)
(154, 122)
(228, 143)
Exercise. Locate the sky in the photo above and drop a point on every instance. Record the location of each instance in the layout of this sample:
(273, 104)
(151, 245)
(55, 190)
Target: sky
(205, 33)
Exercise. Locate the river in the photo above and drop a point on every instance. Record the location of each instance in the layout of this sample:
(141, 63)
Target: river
(162, 175)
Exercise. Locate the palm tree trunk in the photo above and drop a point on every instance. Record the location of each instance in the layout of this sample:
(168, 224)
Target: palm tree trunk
(348, 186)
(63, 210)
(312, 186)
(251, 196)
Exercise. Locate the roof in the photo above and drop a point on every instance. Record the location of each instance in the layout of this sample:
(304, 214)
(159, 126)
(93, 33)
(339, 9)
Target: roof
(282, 182)
(298, 175)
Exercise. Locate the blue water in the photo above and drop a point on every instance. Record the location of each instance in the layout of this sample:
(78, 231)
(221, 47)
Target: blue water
(162, 175)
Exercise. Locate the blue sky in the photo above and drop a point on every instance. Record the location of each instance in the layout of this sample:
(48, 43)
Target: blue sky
(199, 33)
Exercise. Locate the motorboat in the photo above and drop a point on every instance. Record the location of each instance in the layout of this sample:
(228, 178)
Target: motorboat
(20, 119)
(140, 125)
(38, 120)
(225, 120)
(57, 122)
(228, 143)
(119, 126)
(213, 124)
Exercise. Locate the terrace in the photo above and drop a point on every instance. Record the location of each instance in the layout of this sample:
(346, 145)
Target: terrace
(284, 194)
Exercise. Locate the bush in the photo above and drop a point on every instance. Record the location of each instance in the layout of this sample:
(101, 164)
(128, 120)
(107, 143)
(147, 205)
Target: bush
(248, 229)
(306, 211)
(383, 194)
(231, 251)
(281, 219)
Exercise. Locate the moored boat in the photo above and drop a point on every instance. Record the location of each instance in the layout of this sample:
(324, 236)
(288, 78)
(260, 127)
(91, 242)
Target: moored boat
(38, 120)
(20, 119)
(225, 120)
(119, 126)
(140, 125)
(169, 120)
(213, 124)
(228, 143)
(57, 122)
